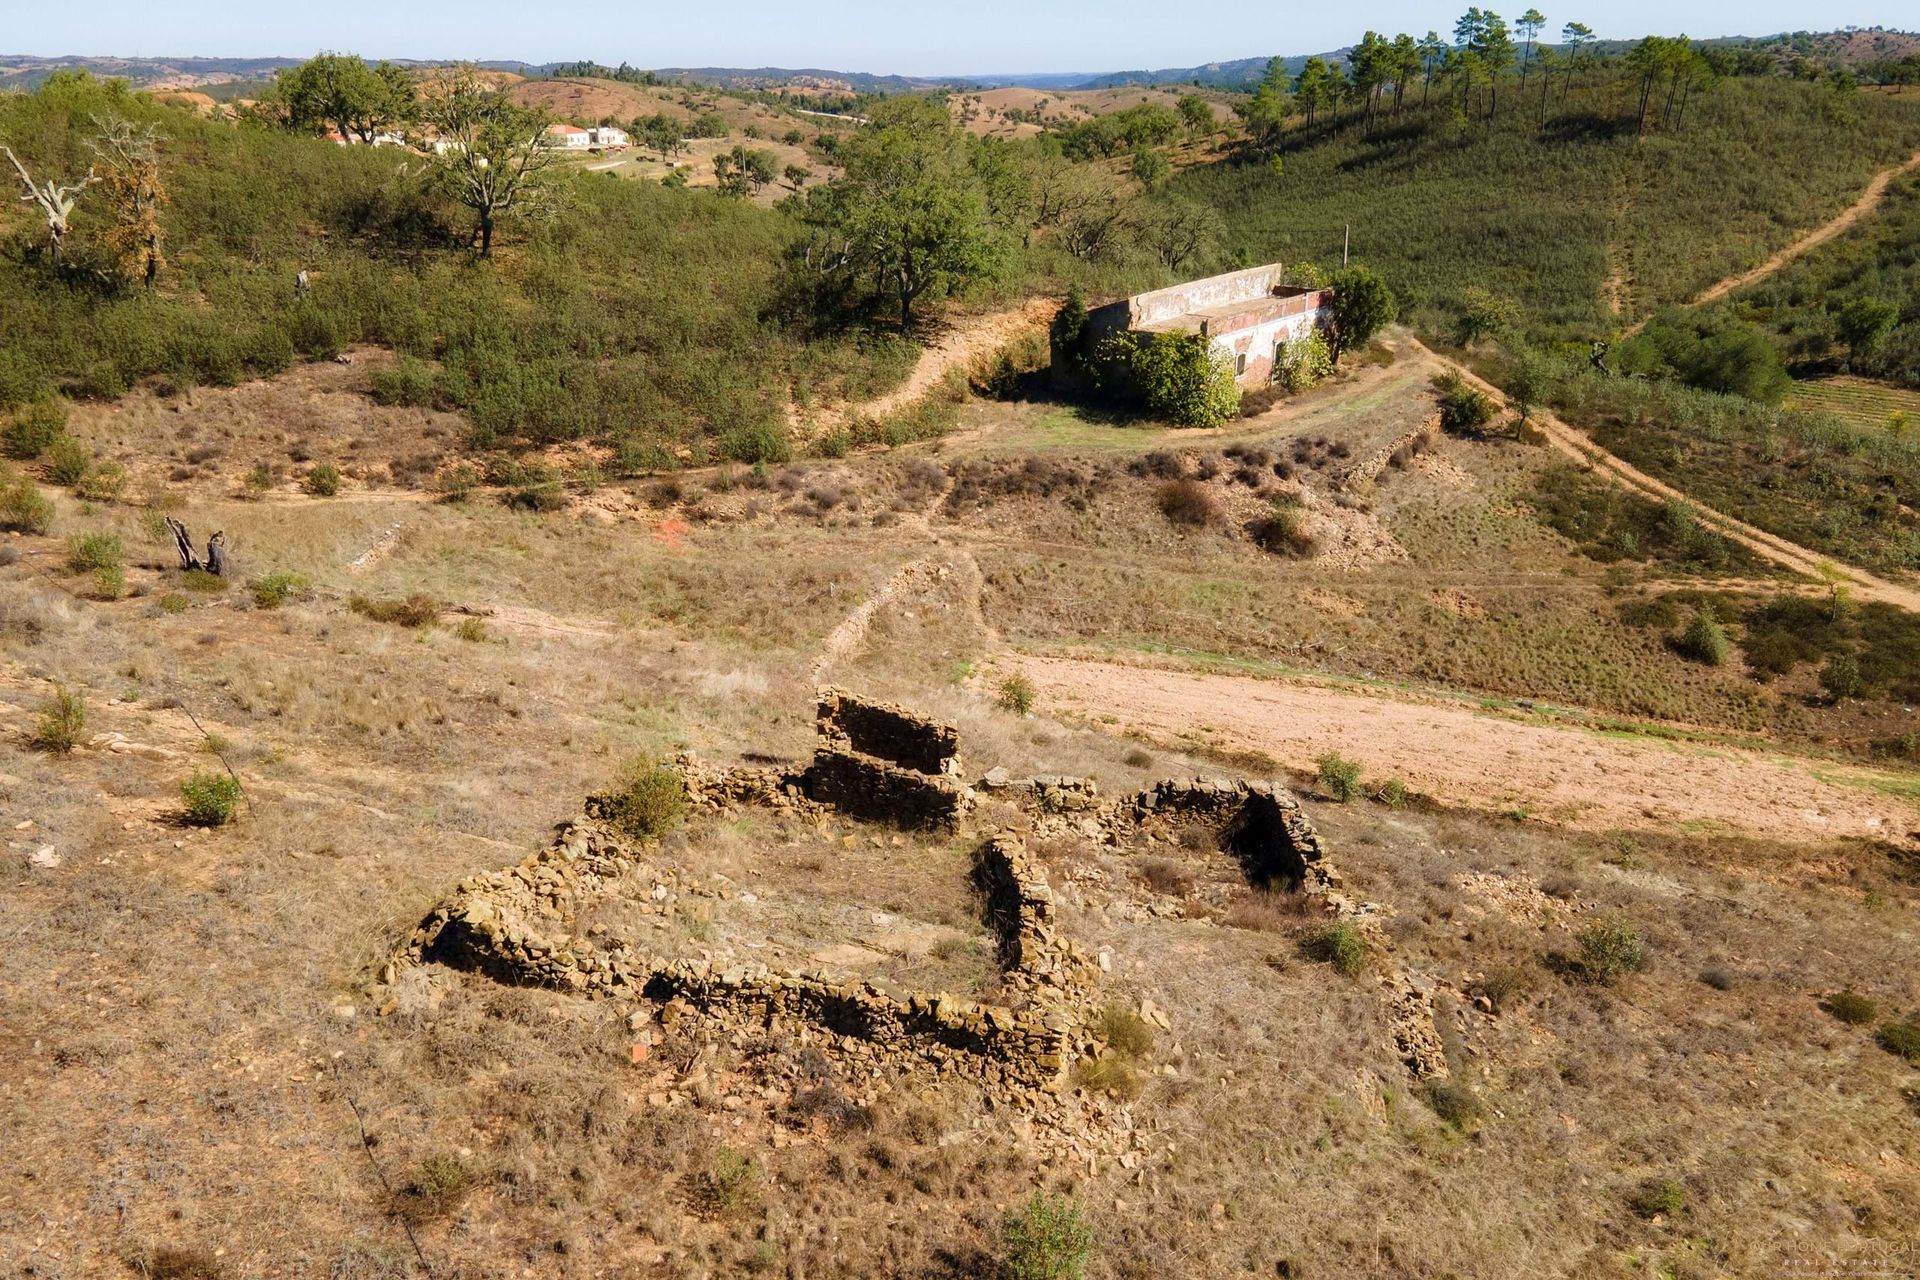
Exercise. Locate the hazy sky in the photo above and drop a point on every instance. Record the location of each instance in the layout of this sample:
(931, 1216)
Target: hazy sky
(954, 38)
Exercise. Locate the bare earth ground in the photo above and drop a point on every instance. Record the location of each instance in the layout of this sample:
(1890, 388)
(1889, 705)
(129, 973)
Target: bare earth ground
(1464, 757)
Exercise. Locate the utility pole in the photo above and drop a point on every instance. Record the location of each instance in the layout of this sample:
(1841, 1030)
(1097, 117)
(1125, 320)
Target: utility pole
(1346, 245)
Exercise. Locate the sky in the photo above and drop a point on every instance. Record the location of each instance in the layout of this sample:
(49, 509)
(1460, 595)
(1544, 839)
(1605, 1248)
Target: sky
(907, 37)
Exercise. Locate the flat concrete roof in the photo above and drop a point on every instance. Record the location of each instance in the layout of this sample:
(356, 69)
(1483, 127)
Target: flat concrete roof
(1199, 320)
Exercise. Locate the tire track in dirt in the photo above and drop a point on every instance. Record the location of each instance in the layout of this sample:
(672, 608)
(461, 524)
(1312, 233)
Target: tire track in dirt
(1460, 755)
(1582, 448)
(1869, 200)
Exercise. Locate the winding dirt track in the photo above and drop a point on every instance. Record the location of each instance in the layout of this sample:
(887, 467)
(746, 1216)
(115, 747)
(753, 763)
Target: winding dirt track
(969, 340)
(1582, 448)
(1869, 201)
(1460, 755)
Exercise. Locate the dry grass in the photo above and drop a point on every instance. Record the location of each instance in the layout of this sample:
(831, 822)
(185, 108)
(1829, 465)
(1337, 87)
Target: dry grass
(222, 973)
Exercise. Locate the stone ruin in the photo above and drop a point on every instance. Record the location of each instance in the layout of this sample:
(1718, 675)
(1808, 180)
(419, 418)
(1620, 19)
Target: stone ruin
(879, 763)
(882, 763)
(1260, 825)
(512, 926)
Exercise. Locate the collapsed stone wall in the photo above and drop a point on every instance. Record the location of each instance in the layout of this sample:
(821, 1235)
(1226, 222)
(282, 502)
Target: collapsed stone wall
(1054, 792)
(1261, 825)
(512, 925)
(888, 732)
(1018, 902)
(882, 763)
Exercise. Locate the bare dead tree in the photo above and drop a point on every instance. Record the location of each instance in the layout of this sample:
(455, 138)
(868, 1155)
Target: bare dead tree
(130, 154)
(216, 561)
(55, 200)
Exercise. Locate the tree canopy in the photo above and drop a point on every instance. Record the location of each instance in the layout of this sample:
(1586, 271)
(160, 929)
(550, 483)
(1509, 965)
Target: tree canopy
(909, 215)
(340, 91)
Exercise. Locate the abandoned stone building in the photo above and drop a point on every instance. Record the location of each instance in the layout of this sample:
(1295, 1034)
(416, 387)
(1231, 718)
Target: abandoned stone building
(1248, 317)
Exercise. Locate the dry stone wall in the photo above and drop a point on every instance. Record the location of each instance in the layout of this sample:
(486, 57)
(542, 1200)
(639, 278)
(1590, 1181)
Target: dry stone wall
(876, 791)
(512, 926)
(888, 732)
(1261, 825)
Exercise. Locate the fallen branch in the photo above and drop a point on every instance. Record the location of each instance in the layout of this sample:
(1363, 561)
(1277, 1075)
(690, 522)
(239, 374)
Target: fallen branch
(366, 1145)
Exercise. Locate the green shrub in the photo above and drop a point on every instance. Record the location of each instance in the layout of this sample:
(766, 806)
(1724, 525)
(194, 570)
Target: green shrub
(92, 552)
(733, 1182)
(417, 610)
(1664, 1198)
(1110, 1074)
(1840, 678)
(545, 497)
(109, 582)
(650, 802)
(1851, 1007)
(1464, 410)
(275, 589)
(1126, 1031)
(1901, 1039)
(1340, 778)
(102, 484)
(758, 442)
(34, 429)
(202, 581)
(259, 479)
(1180, 377)
(23, 506)
(210, 798)
(1342, 945)
(457, 483)
(1017, 695)
(321, 481)
(1304, 362)
(63, 718)
(1391, 793)
(1705, 640)
(1454, 1101)
(436, 1188)
(173, 602)
(1609, 950)
(408, 382)
(68, 462)
(1047, 1238)
(1283, 531)
(471, 630)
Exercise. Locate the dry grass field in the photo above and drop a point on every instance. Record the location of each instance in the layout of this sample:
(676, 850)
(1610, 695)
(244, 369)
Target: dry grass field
(203, 1077)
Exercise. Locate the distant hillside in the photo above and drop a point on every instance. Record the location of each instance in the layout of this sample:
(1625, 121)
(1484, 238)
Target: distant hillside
(1241, 73)
(19, 71)
(806, 78)
(1853, 48)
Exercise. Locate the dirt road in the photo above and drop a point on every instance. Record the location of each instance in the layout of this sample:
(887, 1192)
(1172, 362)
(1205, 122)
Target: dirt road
(970, 339)
(1869, 201)
(1581, 447)
(1460, 755)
